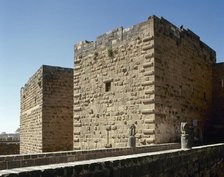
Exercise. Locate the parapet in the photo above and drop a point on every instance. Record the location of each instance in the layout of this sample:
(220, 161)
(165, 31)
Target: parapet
(111, 38)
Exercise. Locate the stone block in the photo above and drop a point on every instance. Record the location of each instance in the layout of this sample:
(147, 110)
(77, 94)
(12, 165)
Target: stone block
(147, 47)
(148, 131)
(148, 38)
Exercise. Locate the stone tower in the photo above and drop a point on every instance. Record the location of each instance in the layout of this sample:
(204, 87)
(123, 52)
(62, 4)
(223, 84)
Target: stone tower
(46, 111)
(153, 75)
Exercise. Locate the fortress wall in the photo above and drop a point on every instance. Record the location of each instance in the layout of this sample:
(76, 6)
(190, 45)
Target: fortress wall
(218, 94)
(37, 159)
(46, 111)
(31, 114)
(57, 109)
(159, 76)
(200, 161)
(215, 125)
(114, 88)
(183, 80)
(7, 148)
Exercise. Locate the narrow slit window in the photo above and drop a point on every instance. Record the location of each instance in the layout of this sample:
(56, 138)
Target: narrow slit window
(180, 91)
(205, 96)
(107, 86)
(222, 83)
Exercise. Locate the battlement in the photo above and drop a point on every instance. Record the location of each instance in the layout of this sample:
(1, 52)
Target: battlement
(119, 35)
(111, 38)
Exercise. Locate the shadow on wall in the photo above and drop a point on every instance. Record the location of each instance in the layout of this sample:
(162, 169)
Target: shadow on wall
(8, 148)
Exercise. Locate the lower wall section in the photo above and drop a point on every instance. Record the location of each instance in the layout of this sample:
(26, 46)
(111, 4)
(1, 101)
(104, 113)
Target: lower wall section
(7, 148)
(201, 161)
(16, 161)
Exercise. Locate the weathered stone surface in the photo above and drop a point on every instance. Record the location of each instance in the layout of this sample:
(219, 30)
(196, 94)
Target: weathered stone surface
(148, 101)
(148, 111)
(148, 131)
(153, 68)
(147, 65)
(70, 156)
(183, 79)
(215, 126)
(148, 121)
(200, 161)
(147, 47)
(147, 83)
(151, 71)
(46, 111)
(148, 38)
(150, 140)
(7, 148)
(111, 79)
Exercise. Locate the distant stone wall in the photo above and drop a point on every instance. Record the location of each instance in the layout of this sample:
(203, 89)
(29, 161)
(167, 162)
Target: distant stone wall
(46, 111)
(31, 114)
(57, 120)
(8, 148)
(200, 161)
(16, 161)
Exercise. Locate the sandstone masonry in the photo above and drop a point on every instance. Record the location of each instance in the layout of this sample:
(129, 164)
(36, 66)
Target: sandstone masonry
(200, 161)
(215, 125)
(46, 111)
(8, 148)
(153, 75)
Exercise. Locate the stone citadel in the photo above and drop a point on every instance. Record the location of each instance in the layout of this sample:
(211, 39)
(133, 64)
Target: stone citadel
(152, 75)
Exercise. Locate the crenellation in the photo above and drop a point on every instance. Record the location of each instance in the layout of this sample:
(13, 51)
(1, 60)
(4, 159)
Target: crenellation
(111, 39)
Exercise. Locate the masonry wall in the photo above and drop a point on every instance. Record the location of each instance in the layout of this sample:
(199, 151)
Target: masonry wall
(57, 109)
(218, 93)
(200, 161)
(29, 160)
(114, 88)
(215, 125)
(158, 76)
(178, 71)
(183, 80)
(46, 111)
(8, 148)
(31, 114)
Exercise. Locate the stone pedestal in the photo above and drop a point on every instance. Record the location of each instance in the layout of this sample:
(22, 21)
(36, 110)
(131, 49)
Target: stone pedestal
(131, 142)
(186, 136)
(185, 141)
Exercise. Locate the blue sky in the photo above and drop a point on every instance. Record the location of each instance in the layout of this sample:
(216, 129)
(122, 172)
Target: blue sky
(33, 33)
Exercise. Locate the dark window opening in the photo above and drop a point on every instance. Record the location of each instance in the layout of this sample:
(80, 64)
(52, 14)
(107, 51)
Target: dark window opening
(180, 91)
(107, 86)
(205, 96)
